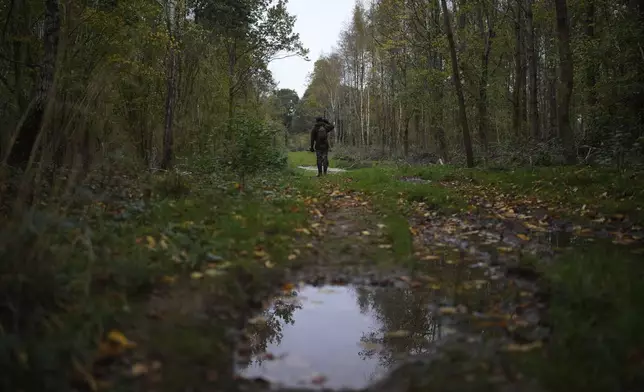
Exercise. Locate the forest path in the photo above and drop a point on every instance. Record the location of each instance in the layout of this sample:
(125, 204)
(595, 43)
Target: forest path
(374, 293)
(441, 316)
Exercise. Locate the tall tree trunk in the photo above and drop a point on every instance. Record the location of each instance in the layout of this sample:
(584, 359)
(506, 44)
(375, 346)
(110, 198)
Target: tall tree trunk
(469, 155)
(591, 70)
(564, 91)
(482, 107)
(168, 136)
(27, 138)
(533, 104)
(519, 77)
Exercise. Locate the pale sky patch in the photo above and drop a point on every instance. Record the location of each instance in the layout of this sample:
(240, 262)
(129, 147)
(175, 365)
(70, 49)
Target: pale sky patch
(319, 23)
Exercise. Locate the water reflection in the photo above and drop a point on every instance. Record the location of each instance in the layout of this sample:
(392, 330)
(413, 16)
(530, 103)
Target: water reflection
(351, 335)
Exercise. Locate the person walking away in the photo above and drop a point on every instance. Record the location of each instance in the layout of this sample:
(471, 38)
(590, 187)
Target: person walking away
(320, 143)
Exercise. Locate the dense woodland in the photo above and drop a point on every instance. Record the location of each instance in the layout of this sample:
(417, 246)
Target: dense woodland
(475, 81)
(520, 82)
(85, 83)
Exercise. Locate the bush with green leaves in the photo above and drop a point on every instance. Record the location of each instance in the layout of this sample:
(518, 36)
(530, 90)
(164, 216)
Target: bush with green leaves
(252, 148)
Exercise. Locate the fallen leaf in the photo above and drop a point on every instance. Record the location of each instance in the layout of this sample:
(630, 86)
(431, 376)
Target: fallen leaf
(269, 264)
(288, 287)
(260, 253)
(212, 272)
(292, 257)
(523, 237)
(365, 232)
(196, 275)
(139, 369)
(168, 279)
(384, 246)
(431, 257)
(117, 337)
(524, 347)
(381, 226)
(447, 310)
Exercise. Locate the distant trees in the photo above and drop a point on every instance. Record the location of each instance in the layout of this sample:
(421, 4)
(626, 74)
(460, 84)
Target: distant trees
(542, 82)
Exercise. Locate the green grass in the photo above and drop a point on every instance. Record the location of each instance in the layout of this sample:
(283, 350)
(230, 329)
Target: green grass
(391, 196)
(600, 190)
(604, 190)
(307, 158)
(595, 313)
(69, 277)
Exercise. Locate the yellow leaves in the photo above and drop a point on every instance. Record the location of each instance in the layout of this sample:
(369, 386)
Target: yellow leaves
(114, 345)
(213, 272)
(139, 369)
(413, 231)
(365, 233)
(450, 310)
(288, 287)
(167, 279)
(534, 227)
(513, 347)
(447, 310)
(151, 242)
(385, 246)
(504, 249)
(523, 237)
(430, 258)
(196, 275)
(260, 253)
(292, 257)
(303, 230)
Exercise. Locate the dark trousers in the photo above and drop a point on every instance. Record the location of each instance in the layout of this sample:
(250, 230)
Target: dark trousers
(322, 157)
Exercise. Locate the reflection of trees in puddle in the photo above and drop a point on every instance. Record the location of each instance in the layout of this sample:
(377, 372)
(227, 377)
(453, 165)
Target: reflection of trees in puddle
(402, 311)
(269, 330)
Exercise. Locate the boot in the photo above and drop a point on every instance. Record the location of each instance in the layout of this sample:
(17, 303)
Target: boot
(319, 169)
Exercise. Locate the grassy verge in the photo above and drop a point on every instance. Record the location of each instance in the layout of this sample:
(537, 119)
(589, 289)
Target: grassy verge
(595, 313)
(70, 276)
(598, 190)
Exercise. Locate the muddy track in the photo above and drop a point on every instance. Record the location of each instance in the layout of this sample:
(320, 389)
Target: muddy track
(490, 315)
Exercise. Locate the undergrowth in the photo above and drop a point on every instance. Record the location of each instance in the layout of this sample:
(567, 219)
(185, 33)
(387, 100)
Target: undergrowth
(71, 274)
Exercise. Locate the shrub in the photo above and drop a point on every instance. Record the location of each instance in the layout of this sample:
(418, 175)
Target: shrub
(252, 149)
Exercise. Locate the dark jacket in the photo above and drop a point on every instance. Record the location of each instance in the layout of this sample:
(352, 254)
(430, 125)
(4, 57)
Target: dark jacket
(320, 136)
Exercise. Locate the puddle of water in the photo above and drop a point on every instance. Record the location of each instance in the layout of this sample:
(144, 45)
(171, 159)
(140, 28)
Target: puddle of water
(315, 169)
(339, 336)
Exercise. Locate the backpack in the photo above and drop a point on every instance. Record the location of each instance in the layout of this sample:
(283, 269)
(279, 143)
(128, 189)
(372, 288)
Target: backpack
(321, 136)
